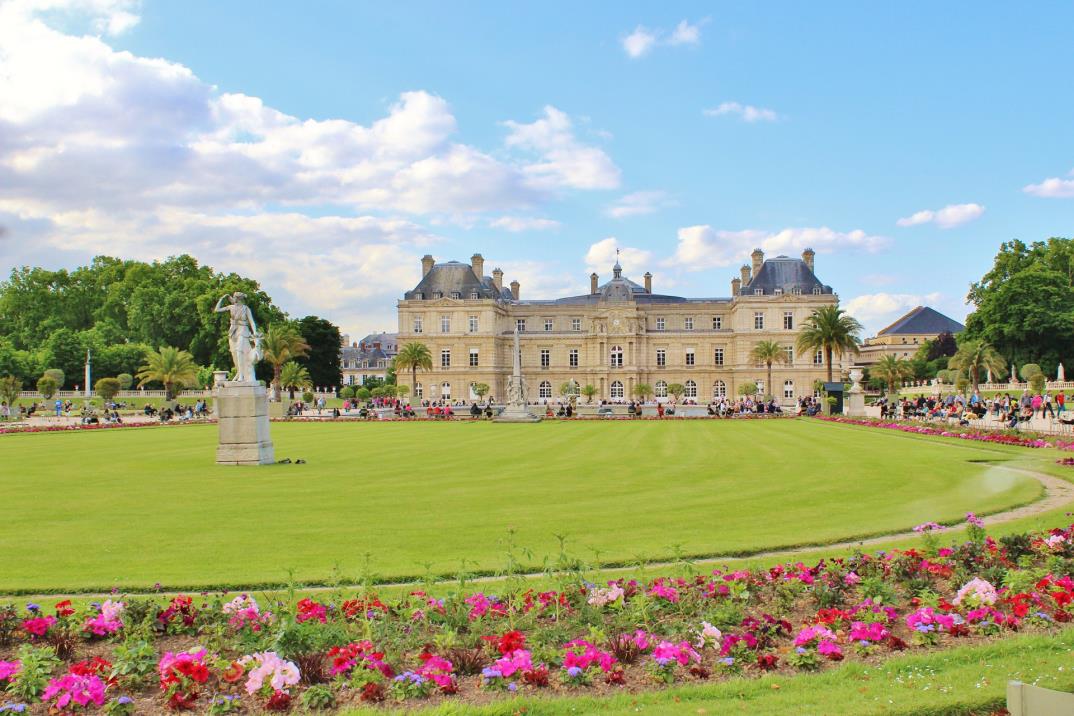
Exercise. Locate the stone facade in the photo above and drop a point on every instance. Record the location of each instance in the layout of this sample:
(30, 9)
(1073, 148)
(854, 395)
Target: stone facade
(617, 336)
(367, 358)
(903, 337)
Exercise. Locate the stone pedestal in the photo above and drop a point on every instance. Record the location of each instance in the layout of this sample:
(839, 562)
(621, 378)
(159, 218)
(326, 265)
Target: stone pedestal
(242, 414)
(517, 414)
(855, 406)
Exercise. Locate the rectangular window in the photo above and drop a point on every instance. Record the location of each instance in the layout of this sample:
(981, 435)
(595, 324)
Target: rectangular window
(788, 321)
(660, 324)
(473, 357)
(445, 324)
(576, 324)
(572, 355)
(473, 324)
(689, 356)
(474, 296)
(546, 357)
(818, 359)
(789, 352)
(758, 292)
(717, 356)
(417, 324)
(717, 323)
(548, 325)
(688, 323)
(445, 358)
(520, 324)
(758, 321)
(456, 295)
(661, 357)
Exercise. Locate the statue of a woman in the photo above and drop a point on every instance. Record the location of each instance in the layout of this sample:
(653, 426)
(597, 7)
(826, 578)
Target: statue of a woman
(243, 338)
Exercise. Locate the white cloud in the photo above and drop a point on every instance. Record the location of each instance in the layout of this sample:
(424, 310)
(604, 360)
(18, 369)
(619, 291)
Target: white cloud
(702, 247)
(523, 223)
(948, 217)
(643, 39)
(109, 17)
(601, 257)
(877, 310)
(1053, 188)
(638, 203)
(565, 161)
(747, 112)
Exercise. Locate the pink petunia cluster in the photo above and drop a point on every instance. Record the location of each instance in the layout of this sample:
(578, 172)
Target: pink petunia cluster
(72, 691)
(976, 592)
(874, 632)
(39, 626)
(664, 591)
(519, 660)
(439, 670)
(481, 605)
(8, 670)
(269, 670)
(926, 619)
(602, 597)
(666, 652)
(582, 654)
(107, 621)
(243, 612)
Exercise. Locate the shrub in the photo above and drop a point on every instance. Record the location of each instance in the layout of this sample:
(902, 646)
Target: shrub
(307, 397)
(126, 380)
(318, 697)
(134, 663)
(47, 386)
(36, 665)
(10, 387)
(363, 393)
(57, 375)
(1029, 370)
(347, 392)
(107, 388)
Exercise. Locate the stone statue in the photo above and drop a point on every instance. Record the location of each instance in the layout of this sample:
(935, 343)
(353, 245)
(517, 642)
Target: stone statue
(243, 337)
(516, 387)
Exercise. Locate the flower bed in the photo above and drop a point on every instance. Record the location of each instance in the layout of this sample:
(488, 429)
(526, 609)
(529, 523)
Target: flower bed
(963, 433)
(221, 654)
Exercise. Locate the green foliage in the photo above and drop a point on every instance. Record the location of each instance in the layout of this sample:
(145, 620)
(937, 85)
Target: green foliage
(363, 393)
(482, 389)
(347, 392)
(569, 388)
(282, 342)
(1037, 383)
(134, 663)
(643, 390)
(892, 369)
(767, 353)
(589, 391)
(944, 345)
(294, 376)
(322, 358)
(318, 697)
(10, 387)
(171, 367)
(36, 665)
(47, 386)
(56, 374)
(975, 358)
(1029, 370)
(676, 390)
(126, 380)
(831, 331)
(414, 357)
(747, 388)
(307, 397)
(107, 388)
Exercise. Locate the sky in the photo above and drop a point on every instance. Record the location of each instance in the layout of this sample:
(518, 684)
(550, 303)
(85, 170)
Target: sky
(323, 148)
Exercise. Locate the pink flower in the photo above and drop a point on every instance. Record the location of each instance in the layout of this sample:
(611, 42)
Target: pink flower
(662, 590)
(71, 688)
(517, 660)
(582, 654)
(269, 669)
(8, 669)
(665, 652)
(851, 579)
(39, 626)
(872, 632)
(439, 670)
(708, 636)
(976, 592)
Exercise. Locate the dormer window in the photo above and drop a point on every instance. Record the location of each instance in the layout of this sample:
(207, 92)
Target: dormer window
(758, 292)
(816, 290)
(796, 291)
(457, 295)
(437, 294)
(419, 295)
(778, 292)
(473, 296)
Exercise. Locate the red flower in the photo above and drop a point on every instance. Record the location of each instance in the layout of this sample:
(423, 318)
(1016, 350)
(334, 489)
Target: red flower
(234, 672)
(279, 701)
(511, 641)
(64, 609)
(767, 661)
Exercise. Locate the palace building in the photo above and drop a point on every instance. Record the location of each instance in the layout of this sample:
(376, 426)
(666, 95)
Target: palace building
(617, 336)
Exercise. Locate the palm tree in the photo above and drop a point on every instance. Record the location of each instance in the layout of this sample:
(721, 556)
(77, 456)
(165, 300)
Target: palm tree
(589, 391)
(411, 357)
(977, 357)
(831, 330)
(170, 366)
(281, 343)
(891, 369)
(768, 352)
(294, 376)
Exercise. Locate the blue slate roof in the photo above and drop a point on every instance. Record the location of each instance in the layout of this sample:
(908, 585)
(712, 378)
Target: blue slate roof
(453, 276)
(784, 273)
(923, 320)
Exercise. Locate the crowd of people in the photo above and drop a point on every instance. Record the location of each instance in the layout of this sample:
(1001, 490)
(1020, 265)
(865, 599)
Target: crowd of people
(1010, 411)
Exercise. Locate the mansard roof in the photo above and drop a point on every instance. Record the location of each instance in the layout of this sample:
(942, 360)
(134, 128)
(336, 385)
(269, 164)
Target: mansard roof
(453, 276)
(923, 321)
(783, 272)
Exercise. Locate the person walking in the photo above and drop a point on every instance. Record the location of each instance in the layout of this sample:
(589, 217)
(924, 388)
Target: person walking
(1046, 405)
(1060, 403)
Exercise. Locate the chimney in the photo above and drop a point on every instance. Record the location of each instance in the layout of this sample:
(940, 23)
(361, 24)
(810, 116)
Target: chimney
(807, 256)
(758, 259)
(354, 345)
(745, 273)
(593, 282)
(376, 345)
(478, 263)
(514, 289)
(427, 262)
(736, 284)
(648, 282)
(497, 278)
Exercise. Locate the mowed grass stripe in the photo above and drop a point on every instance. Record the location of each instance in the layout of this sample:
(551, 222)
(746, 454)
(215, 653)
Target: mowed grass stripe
(135, 507)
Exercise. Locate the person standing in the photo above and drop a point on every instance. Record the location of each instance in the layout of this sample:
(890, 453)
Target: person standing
(1060, 403)
(1046, 405)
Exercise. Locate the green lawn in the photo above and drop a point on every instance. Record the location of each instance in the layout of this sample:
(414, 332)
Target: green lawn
(133, 507)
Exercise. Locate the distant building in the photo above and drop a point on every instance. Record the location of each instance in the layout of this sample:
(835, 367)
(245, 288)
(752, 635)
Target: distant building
(903, 337)
(368, 358)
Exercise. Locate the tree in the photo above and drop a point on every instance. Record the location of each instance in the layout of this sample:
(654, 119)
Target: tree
(47, 386)
(401, 390)
(172, 367)
(1029, 370)
(943, 345)
(323, 356)
(57, 375)
(832, 331)
(892, 369)
(746, 389)
(589, 391)
(768, 352)
(126, 380)
(676, 390)
(976, 357)
(282, 342)
(294, 376)
(347, 392)
(362, 394)
(643, 390)
(106, 388)
(10, 387)
(414, 357)
(568, 388)
(481, 390)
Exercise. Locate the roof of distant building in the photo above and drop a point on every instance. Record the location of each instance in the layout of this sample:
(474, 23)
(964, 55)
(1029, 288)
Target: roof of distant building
(387, 341)
(923, 321)
(456, 277)
(786, 274)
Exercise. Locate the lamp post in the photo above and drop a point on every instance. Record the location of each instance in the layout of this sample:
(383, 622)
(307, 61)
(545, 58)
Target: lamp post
(89, 384)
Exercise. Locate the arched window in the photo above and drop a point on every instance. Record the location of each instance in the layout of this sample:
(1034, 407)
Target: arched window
(617, 357)
(445, 391)
(719, 389)
(691, 389)
(418, 393)
(617, 388)
(545, 389)
(660, 390)
(788, 389)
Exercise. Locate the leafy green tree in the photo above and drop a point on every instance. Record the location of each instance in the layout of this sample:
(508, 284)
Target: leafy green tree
(746, 389)
(589, 391)
(891, 370)
(282, 342)
(402, 390)
(18, 363)
(481, 390)
(363, 393)
(106, 388)
(1029, 370)
(943, 345)
(414, 357)
(976, 358)
(294, 376)
(126, 380)
(676, 390)
(57, 375)
(47, 386)
(347, 392)
(172, 367)
(643, 390)
(1037, 382)
(10, 387)
(768, 352)
(377, 392)
(832, 331)
(322, 358)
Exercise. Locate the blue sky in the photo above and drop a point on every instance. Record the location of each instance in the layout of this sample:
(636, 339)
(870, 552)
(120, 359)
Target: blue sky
(323, 149)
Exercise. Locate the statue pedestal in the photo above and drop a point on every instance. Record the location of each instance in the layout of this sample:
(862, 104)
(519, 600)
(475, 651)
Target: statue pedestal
(856, 405)
(517, 414)
(242, 414)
